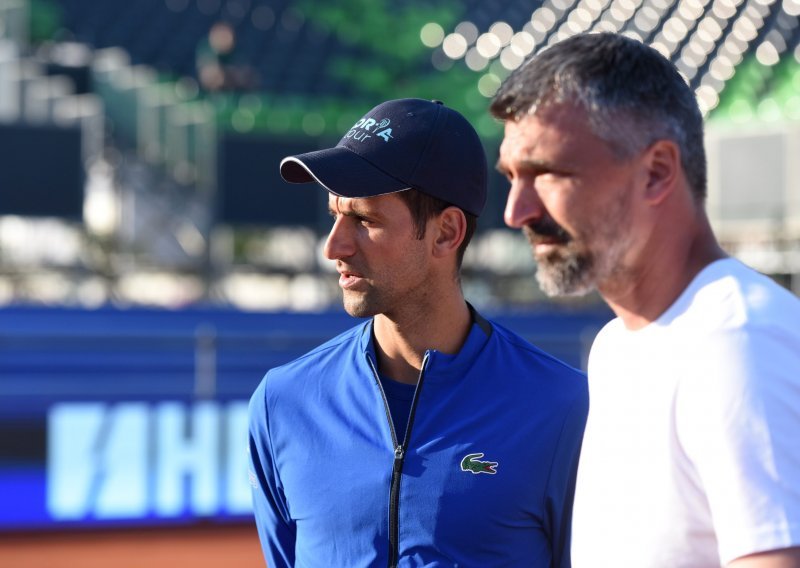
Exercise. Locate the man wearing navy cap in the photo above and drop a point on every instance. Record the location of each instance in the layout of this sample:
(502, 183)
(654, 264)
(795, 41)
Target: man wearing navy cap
(425, 435)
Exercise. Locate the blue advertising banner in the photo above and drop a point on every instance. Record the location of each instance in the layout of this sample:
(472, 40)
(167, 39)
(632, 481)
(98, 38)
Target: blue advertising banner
(139, 417)
(136, 462)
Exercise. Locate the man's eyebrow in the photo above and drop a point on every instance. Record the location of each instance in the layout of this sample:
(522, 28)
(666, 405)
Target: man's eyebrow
(355, 210)
(527, 164)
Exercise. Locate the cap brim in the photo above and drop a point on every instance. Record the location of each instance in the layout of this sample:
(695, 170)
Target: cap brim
(341, 172)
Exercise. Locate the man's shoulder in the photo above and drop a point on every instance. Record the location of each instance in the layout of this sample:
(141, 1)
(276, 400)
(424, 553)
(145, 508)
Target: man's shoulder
(532, 359)
(733, 296)
(292, 382)
(324, 356)
(742, 342)
(528, 379)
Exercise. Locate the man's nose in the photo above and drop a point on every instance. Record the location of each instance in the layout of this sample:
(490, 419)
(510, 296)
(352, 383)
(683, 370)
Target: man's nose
(524, 206)
(339, 243)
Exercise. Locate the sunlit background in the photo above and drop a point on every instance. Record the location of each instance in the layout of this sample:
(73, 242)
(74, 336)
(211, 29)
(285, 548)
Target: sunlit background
(153, 265)
(183, 108)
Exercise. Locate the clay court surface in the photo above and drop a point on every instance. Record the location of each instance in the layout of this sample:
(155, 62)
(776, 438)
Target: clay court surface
(203, 547)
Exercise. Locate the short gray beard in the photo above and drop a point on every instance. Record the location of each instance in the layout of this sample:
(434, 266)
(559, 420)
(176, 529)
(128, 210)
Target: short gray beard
(575, 272)
(572, 275)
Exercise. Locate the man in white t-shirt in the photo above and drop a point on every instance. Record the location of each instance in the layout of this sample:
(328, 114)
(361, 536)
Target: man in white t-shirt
(691, 456)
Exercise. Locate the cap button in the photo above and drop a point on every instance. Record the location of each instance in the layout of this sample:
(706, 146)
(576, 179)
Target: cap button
(437, 101)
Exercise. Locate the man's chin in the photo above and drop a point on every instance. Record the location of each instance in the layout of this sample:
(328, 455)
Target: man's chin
(358, 309)
(557, 283)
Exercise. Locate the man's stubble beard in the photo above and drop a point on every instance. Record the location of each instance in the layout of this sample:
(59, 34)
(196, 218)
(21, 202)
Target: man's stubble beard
(361, 305)
(574, 269)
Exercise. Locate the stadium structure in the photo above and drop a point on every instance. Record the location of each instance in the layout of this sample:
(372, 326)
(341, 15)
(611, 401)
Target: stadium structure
(145, 136)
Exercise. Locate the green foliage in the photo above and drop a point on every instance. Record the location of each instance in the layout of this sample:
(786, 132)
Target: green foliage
(388, 60)
(45, 20)
(386, 55)
(760, 91)
(382, 27)
(382, 57)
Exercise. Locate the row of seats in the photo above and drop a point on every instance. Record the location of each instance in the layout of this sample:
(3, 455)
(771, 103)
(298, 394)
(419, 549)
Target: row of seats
(291, 48)
(272, 44)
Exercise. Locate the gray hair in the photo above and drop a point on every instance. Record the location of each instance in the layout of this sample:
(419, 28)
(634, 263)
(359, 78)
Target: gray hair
(632, 94)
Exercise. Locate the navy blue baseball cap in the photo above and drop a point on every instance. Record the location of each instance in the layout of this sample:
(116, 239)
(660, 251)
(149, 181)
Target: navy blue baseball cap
(399, 145)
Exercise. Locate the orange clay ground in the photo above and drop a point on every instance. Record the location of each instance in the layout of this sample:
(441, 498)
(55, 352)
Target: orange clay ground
(197, 547)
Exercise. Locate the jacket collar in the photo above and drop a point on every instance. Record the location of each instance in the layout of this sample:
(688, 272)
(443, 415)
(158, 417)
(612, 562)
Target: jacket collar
(442, 367)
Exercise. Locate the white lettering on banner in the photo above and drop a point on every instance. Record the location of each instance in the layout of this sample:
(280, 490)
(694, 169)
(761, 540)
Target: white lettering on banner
(180, 454)
(239, 495)
(124, 488)
(131, 460)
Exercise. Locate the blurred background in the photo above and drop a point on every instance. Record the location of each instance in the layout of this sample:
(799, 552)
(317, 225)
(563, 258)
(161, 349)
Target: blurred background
(153, 265)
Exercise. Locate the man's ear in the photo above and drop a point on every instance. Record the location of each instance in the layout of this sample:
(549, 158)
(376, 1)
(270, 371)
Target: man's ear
(450, 229)
(663, 163)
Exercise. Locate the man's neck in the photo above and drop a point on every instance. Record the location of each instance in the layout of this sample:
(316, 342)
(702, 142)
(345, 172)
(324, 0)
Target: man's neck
(642, 295)
(402, 339)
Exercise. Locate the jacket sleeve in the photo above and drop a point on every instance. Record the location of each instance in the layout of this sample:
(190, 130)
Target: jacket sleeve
(276, 530)
(561, 483)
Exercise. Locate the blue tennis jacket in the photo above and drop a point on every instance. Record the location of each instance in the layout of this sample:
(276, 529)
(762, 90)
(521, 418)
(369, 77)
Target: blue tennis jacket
(485, 476)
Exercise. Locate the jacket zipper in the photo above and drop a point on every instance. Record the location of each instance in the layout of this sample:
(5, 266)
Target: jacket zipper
(399, 459)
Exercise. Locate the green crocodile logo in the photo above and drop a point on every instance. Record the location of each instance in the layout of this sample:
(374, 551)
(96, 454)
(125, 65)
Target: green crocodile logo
(473, 463)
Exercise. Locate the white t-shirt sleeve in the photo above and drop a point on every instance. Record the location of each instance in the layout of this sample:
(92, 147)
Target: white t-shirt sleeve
(737, 414)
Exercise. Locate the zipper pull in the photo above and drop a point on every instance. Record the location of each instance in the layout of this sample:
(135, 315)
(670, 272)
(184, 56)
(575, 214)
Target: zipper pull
(398, 453)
